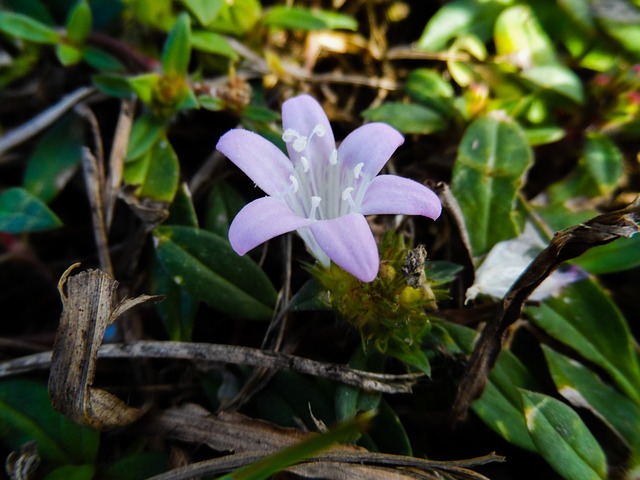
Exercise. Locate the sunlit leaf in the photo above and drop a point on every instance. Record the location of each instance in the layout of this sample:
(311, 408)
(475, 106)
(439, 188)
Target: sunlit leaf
(68, 54)
(582, 387)
(298, 18)
(562, 438)
(204, 10)
(144, 86)
(429, 88)
(604, 161)
(492, 161)
(212, 42)
(156, 173)
(237, 17)
(207, 267)
(623, 254)
(558, 79)
(55, 158)
(146, 132)
(544, 135)
(21, 211)
(587, 320)
(177, 49)
(408, 118)
(520, 38)
(26, 28)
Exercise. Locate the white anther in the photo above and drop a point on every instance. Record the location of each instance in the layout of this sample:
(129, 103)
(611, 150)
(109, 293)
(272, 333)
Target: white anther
(315, 201)
(289, 134)
(300, 144)
(306, 165)
(357, 169)
(294, 183)
(299, 141)
(333, 158)
(318, 130)
(346, 193)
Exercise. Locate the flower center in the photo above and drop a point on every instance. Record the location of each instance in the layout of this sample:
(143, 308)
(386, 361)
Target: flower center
(322, 187)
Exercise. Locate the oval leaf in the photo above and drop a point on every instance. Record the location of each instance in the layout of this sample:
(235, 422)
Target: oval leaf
(177, 49)
(21, 211)
(562, 438)
(205, 265)
(408, 118)
(26, 28)
(215, 43)
(492, 161)
(204, 10)
(79, 23)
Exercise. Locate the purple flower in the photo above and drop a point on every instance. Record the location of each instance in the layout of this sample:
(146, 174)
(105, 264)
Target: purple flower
(322, 192)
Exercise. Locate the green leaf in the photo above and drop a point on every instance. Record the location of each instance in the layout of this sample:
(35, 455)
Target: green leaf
(237, 17)
(72, 472)
(298, 18)
(204, 10)
(604, 161)
(558, 79)
(350, 400)
(206, 266)
(55, 158)
(519, 37)
(211, 42)
(68, 54)
(223, 205)
(146, 132)
(157, 173)
(500, 406)
(101, 60)
(562, 438)
(583, 388)
(492, 161)
(623, 254)
(135, 466)
(79, 23)
(182, 211)
(427, 87)
(544, 135)
(26, 28)
(21, 211)
(457, 18)
(315, 444)
(26, 415)
(144, 86)
(114, 85)
(587, 320)
(620, 20)
(177, 49)
(408, 118)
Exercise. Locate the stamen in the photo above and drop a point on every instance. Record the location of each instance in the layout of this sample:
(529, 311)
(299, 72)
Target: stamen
(333, 158)
(318, 130)
(346, 196)
(315, 201)
(289, 134)
(357, 169)
(294, 183)
(299, 141)
(306, 165)
(300, 144)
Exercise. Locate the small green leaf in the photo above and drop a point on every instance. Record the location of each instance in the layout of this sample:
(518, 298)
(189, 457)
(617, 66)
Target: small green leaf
(213, 104)
(558, 79)
(583, 388)
(144, 86)
(237, 17)
(493, 159)
(430, 89)
(182, 211)
(26, 28)
(101, 60)
(21, 211)
(298, 18)
(408, 118)
(114, 85)
(578, 319)
(211, 42)
(204, 10)
(26, 415)
(603, 161)
(544, 135)
(207, 267)
(457, 18)
(177, 49)
(146, 132)
(68, 54)
(72, 472)
(562, 438)
(623, 254)
(79, 23)
(55, 158)
(519, 37)
(157, 173)
(315, 444)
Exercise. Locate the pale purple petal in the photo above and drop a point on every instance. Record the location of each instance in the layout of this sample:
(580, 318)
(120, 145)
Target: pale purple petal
(348, 241)
(372, 145)
(313, 247)
(391, 194)
(303, 114)
(258, 158)
(261, 220)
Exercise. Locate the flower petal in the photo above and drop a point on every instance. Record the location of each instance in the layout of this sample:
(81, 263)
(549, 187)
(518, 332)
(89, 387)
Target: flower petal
(303, 114)
(348, 241)
(258, 158)
(372, 145)
(261, 220)
(396, 195)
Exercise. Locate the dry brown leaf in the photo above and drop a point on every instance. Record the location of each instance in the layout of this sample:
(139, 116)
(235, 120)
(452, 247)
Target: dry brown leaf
(89, 305)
